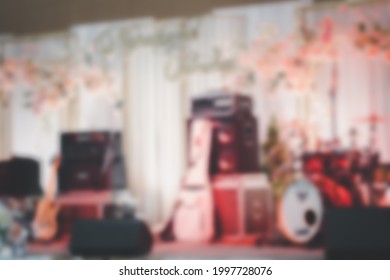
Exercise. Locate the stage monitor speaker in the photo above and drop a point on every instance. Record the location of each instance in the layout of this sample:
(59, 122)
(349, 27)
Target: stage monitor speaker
(107, 238)
(357, 233)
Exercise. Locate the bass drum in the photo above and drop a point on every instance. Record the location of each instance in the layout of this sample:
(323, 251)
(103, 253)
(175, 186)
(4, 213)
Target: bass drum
(300, 212)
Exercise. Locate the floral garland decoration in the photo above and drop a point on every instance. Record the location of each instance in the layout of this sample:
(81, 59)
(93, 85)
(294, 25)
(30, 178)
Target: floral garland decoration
(373, 39)
(48, 85)
(292, 60)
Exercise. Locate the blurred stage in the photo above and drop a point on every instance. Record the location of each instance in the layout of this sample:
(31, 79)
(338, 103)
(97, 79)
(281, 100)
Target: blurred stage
(252, 121)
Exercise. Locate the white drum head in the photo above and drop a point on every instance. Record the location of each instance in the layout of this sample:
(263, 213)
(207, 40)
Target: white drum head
(300, 212)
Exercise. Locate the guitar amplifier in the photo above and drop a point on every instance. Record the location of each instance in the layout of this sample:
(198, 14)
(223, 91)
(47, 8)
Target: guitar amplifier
(235, 147)
(90, 145)
(243, 204)
(217, 104)
(85, 174)
(91, 160)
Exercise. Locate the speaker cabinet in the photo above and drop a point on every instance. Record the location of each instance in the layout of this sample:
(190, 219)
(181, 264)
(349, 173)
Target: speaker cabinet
(90, 145)
(91, 160)
(219, 104)
(243, 204)
(256, 209)
(110, 238)
(235, 146)
(82, 175)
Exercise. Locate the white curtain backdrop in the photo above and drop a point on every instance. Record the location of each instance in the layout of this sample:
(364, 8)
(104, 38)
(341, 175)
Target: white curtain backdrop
(155, 123)
(5, 114)
(5, 129)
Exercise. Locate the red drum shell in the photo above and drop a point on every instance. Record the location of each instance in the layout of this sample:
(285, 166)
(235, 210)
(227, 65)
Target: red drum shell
(335, 194)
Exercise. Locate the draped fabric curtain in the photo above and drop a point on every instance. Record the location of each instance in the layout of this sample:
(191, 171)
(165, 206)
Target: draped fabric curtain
(5, 115)
(155, 124)
(5, 128)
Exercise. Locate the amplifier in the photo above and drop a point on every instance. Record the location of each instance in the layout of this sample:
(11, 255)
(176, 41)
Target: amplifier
(243, 204)
(90, 145)
(91, 160)
(235, 147)
(82, 175)
(89, 174)
(220, 104)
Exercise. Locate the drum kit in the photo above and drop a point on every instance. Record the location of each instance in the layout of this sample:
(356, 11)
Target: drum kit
(327, 179)
(331, 177)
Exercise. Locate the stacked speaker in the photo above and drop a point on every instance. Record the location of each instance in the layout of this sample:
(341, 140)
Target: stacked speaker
(242, 194)
(235, 143)
(243, 205)
(91, 160)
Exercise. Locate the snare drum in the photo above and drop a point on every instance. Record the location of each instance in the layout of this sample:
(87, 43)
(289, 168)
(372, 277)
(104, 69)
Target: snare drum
(300, 212)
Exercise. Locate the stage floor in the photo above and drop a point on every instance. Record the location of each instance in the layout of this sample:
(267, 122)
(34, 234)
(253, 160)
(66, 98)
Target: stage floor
(174, 250)
(224, 251)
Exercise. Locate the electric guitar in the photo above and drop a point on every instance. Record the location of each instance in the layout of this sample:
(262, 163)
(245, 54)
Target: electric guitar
(193, 219)
(45, 221)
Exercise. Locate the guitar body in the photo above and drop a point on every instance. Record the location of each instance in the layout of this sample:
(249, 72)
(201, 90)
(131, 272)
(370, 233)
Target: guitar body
(45, 225)
(45, 221)
(193, 219)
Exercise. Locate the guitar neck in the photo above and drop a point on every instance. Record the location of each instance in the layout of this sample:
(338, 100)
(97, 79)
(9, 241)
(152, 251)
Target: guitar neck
(51, 187)
(201, 139)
